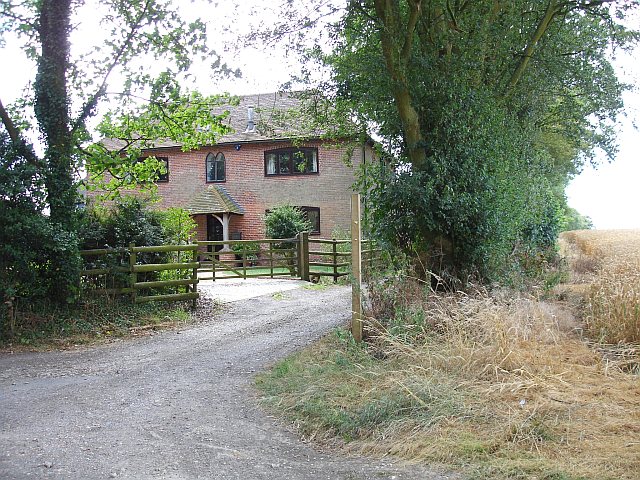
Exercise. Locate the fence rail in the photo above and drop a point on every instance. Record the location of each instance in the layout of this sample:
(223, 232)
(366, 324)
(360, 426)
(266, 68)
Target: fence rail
(172, 272)
(126, 271)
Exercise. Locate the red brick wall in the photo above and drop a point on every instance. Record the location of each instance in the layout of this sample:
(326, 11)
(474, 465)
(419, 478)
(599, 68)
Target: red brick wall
(246, 182)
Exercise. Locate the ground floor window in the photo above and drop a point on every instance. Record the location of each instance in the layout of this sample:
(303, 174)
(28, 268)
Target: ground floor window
(313, 215)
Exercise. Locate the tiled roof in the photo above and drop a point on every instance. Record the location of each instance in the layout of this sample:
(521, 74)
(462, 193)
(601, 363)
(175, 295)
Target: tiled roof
(276, 116)
(214, 199)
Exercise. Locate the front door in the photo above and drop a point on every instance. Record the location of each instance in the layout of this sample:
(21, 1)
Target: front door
(214, 231)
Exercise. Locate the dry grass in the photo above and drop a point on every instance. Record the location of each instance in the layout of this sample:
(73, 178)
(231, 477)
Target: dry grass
(496, 384)
(534, 392)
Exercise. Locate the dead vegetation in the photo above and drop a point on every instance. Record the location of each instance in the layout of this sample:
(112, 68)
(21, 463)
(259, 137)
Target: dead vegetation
(501, 385)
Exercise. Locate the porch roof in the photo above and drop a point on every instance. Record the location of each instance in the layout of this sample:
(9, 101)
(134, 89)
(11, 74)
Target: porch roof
(214, 199)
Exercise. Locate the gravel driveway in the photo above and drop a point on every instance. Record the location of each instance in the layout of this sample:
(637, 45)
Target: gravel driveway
(175, 405)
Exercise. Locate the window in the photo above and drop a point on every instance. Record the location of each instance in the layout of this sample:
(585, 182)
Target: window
(313, 215)
(215, 167)
(291, 161)
(162, 177)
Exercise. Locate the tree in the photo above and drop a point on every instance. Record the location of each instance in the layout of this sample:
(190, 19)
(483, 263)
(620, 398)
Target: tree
(486, 108)
(69, 87)
(574, 220)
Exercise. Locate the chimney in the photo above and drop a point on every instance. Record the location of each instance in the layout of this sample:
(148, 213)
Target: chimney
(251, 126)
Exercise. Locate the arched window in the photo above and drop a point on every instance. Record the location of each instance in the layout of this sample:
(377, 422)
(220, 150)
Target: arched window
(215, 167)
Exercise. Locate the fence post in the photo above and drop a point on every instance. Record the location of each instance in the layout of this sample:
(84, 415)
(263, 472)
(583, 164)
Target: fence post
(271, 257)
(213, 264)
(133, 276)
(194, 275)
(244, 263)
(335, 260)
(303, 262)
(356, 268)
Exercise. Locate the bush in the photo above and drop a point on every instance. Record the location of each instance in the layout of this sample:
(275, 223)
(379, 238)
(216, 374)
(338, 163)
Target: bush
(130, 220)
(286, 221)
(249, 250)
(177, 225)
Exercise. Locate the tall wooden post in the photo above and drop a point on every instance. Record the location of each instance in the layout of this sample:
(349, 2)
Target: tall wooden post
(356, 269)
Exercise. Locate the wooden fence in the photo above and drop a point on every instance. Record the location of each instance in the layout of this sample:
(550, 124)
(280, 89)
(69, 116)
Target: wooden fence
(249, 258)
(301, 257)
(172, 272)
(134, 271)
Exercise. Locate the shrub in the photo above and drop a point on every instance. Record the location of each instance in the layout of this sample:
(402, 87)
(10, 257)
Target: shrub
(130, 220)
(250, 251)
(177, 225)
(283, 222)
(286, 221)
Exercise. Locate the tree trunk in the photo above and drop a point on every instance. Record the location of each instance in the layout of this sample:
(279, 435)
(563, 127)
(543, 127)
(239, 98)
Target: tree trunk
(52, 113)
(396, 41)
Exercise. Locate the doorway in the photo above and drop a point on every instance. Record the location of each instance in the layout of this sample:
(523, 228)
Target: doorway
(215, 232)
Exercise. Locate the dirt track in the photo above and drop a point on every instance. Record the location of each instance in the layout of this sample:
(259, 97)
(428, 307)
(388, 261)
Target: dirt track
(176, 405)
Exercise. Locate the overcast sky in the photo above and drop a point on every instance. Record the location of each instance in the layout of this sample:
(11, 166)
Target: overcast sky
(610, 194)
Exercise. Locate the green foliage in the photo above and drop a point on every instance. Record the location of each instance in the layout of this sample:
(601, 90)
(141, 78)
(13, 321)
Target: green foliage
(574, 220)
(285, 221)
(64, 95)
(472, 202)
(185, 118)
(178, 225)
(128, 221)
(131, 220)
(28, 237)
(486, 110)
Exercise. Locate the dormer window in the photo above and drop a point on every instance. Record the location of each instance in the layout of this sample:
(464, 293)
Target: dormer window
(215, 167)
(291, 161)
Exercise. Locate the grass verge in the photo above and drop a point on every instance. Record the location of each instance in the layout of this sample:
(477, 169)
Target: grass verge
(494, 385)
(93, 320)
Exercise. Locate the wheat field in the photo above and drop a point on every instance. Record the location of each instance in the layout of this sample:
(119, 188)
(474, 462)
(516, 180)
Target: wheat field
(607, 264)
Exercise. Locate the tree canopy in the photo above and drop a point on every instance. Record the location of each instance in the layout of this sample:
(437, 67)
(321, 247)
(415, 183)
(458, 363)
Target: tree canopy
(485, 109)
(147, 47)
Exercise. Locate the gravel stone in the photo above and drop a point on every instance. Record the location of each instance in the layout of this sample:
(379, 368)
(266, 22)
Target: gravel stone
(175, 407)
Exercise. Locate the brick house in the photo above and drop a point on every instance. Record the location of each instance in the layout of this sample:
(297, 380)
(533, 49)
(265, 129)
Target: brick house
(229, 186)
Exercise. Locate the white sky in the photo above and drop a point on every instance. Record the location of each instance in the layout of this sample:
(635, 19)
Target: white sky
(610, 194)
